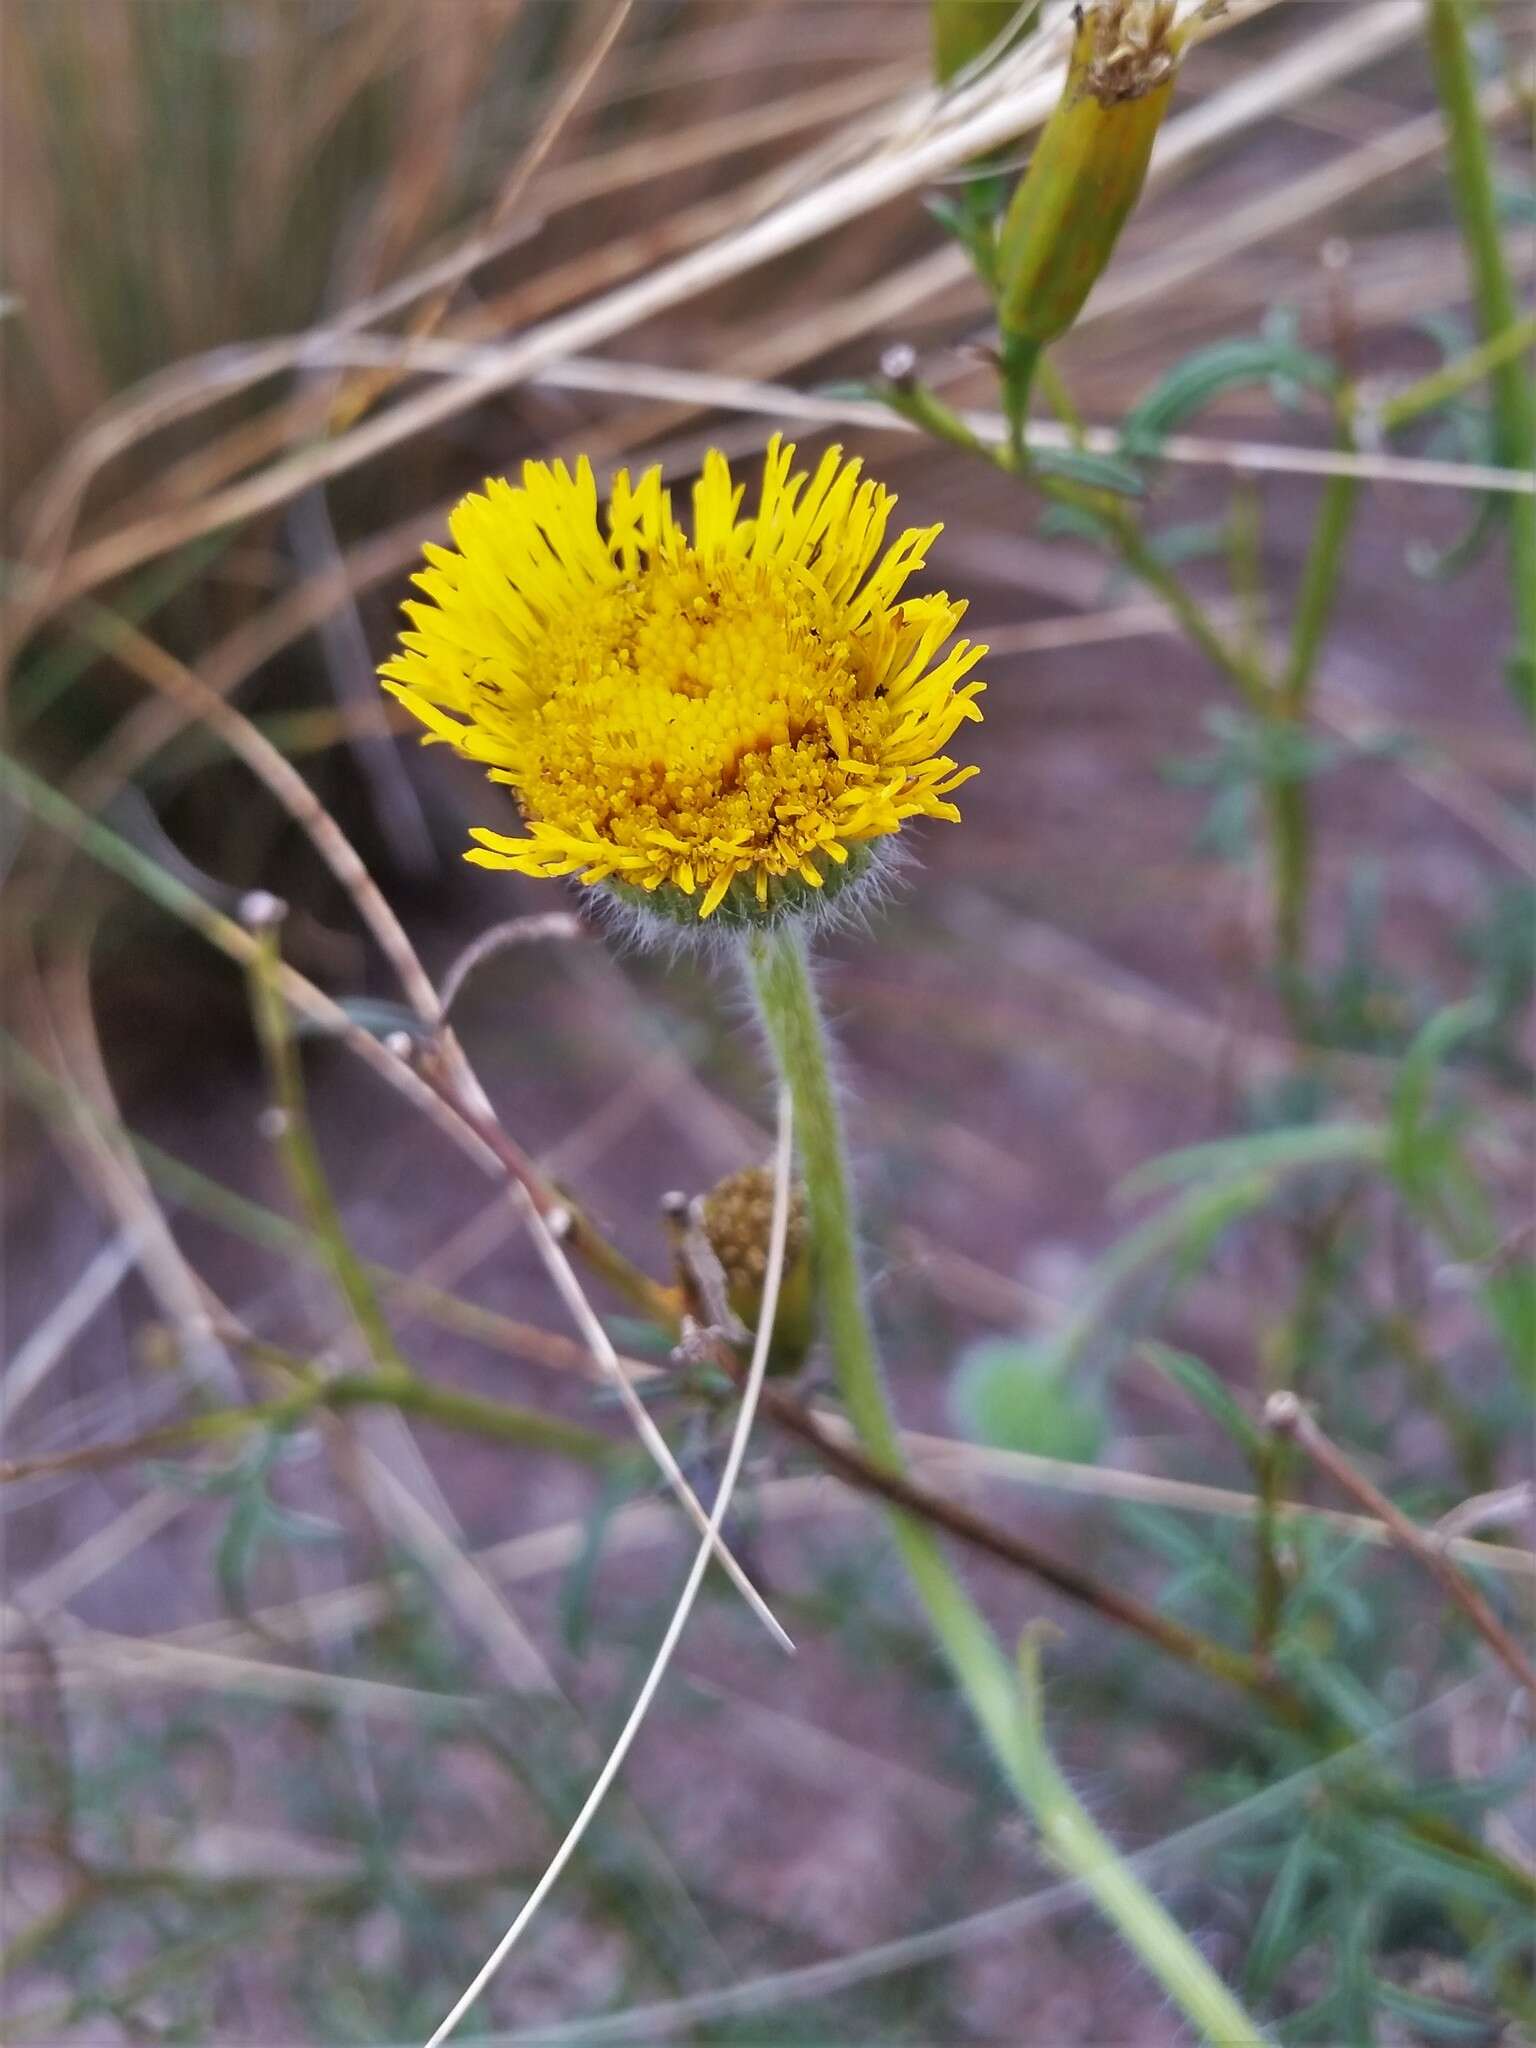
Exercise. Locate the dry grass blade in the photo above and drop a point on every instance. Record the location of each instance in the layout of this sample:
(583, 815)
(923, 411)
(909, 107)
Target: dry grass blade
(42, 1349)
(186, 388)
(466, 1588)
(734, 1456)
(1505, 1504)
(1316, 62)
(515, 1561)
(777, 401)
(130, 1662)
(352, 403)
(100, 1553)
(1112, 1482)
(63, 1014)
(919, 143)
(601, 1347)
(185, 688)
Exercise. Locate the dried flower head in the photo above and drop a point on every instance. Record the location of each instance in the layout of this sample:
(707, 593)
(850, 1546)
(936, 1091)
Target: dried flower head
(737, 1218)
(1133, 50)
(723, 726)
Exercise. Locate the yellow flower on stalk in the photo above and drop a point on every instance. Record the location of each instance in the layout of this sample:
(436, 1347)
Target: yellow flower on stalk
(730, 725)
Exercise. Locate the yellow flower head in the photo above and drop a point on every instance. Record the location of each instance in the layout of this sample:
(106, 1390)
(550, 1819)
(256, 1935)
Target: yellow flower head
(724, 725)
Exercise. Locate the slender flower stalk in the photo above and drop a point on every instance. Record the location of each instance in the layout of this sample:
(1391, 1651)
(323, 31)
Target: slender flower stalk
(1004, 1701)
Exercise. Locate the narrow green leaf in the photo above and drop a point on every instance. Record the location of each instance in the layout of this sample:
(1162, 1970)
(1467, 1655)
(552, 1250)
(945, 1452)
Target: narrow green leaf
(1194, 1378)
(1432, 2016)
(1262, 1152)
(1421, 1064)
(1095, 472)
(1210, 372)
(1279, 1934)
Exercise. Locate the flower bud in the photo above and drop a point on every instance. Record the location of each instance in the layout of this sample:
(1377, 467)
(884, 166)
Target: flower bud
(1087, 170)
(737, 1217)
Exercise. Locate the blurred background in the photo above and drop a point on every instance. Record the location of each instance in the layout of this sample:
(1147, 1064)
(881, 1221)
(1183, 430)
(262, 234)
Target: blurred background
(295, 1721)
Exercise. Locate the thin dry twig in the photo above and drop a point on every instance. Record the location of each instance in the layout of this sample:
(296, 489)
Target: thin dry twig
(466, 1587)
(62, 1011)
(1485, 1510)
(1286, 1416)
(185, 688)
(744, 394)
(498, 938)
(553, 1223)
(836, 1448)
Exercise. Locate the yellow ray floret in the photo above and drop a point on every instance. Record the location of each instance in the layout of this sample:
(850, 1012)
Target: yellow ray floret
(750, 706)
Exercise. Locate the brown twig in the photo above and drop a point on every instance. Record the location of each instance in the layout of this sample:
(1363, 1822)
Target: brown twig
(712, 1334)
(1286, 1416)
(851, 1464)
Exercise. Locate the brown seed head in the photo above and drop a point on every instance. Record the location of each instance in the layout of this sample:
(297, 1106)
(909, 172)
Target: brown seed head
(1133, 50)
(738, 1217)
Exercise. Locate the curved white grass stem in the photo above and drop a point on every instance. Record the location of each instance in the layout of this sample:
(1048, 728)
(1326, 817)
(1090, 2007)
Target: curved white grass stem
(669, 1642)
(600, 1344)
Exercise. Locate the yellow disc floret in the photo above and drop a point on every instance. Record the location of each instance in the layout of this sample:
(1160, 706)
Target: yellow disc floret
(723, 719)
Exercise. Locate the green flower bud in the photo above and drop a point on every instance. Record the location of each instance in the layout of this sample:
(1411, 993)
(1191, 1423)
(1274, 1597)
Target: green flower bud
(1087, 170)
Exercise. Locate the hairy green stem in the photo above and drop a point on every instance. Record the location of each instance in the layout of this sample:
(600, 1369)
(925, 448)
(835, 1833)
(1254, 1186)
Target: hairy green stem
(1005, 1706)
(1510, 384)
